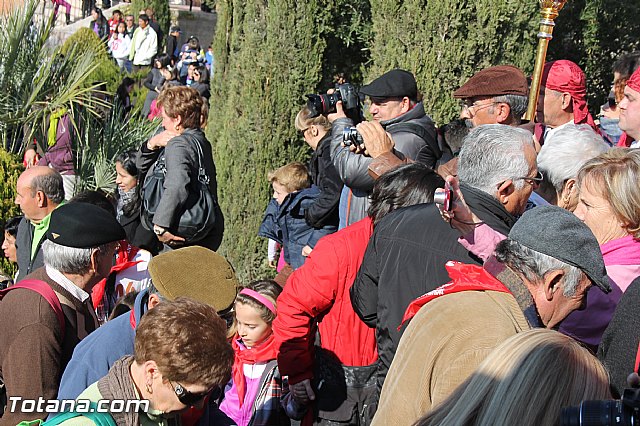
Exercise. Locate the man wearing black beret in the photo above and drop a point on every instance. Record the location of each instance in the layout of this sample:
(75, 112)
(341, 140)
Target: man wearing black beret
(396, 106)
(78, 253)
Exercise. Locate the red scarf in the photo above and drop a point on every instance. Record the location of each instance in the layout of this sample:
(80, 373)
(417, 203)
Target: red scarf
(463, 278)
(265, 351)
(124, 260)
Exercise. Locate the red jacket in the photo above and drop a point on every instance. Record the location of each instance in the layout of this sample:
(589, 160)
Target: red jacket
(319, 290)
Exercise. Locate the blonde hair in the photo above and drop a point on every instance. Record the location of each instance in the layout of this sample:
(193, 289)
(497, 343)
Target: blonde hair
(304, 120)
(614, 175)
(267, 288)
(527, 380)
(293, 177)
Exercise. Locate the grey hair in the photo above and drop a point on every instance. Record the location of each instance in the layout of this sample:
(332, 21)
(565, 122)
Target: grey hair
(493, 153)
(69, 260)
(535, 265)
(517, 104)
(51, 184)
(566, 151)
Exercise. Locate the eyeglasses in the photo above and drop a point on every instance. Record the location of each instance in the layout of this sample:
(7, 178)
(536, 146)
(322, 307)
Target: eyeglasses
(187, 398)
(472, 109)
(533, 181)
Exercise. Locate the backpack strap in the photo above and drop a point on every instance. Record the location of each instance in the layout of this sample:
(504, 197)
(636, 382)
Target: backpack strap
(44, 290)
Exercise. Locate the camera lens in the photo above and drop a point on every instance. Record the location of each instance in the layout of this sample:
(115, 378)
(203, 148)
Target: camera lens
(596, 413)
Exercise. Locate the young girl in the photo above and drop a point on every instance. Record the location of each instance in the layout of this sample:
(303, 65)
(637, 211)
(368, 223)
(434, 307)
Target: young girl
(254, 392)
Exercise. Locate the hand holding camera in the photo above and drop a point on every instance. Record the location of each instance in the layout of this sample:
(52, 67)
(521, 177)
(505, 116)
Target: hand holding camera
(371, 137)
(453, 208)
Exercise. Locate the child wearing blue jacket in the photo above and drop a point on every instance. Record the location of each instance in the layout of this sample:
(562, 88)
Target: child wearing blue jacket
(284, 220)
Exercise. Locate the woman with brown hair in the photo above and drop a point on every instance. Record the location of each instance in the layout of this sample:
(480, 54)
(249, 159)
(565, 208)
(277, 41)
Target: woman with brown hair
(179, 163)
(181, 355)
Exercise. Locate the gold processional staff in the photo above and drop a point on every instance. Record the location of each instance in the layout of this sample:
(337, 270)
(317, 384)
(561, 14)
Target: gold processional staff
(549, 9)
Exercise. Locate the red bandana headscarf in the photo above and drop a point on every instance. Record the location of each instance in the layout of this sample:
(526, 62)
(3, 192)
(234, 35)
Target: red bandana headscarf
(633, 83)
(566, 76)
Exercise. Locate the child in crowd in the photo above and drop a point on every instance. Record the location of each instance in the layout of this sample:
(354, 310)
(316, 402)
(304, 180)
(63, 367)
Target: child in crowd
(284, 219)
(209, 58)
(253, 395)
(116, 18)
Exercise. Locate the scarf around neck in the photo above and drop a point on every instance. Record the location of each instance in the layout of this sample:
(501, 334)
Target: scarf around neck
(264, 352)
(488, 209)
(118, 384)
(621, 251)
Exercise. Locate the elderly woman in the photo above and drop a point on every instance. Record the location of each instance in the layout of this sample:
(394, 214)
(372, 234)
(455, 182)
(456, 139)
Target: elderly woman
(526, 380)
(179, 154)
(560, 160)
(609, 197)
(181, 354)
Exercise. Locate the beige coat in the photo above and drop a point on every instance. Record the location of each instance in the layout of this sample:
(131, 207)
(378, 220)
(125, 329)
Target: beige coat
(443, 344)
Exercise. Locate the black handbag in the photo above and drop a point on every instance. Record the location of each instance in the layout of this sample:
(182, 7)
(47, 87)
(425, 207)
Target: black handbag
(198, 215)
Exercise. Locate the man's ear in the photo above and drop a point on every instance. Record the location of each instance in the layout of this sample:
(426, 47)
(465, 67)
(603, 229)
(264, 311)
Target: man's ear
(41, 199)
(503, 112)
(551, 282)
(567, 103)
(94, 260)
(406, 104)
(504, 191)
(154, 299)
(314, 130)
(568, 189)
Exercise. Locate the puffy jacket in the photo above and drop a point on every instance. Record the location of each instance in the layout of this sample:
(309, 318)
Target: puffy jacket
(319, 292)
(288, 226)
(353, 168)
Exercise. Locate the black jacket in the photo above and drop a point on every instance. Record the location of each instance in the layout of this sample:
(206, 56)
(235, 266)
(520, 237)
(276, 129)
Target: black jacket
(405, 259)
(324, 211)
(138, 235)
(619, 345)
(24, 238)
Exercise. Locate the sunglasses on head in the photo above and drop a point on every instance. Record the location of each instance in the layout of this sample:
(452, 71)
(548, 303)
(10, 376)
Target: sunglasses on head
(187, 398)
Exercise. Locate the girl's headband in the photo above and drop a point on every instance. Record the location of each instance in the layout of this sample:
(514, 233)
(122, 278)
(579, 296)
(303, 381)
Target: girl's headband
(260, 298)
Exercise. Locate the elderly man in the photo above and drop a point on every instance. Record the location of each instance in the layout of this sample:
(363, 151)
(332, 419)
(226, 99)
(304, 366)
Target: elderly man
(540, 274)
(630, 109)
(562, 101)
(495, 95)
(408, 250)
(395, 106)
(178, 273)
(78, 253)
(39, 191)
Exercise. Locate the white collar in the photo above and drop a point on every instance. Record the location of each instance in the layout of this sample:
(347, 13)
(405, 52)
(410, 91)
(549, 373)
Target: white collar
(66, 283)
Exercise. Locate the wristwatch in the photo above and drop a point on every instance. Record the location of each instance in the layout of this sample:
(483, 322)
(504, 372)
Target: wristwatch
(159, 231)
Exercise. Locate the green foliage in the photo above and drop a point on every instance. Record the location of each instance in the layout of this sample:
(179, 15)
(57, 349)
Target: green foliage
(10, 169)
(268, 53)
(101, 140)
(593, 34)
(444, 42)
(161, 13)
(36, 79)
(106, 71)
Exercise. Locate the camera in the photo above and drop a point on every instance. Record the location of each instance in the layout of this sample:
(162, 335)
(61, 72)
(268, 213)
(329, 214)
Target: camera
(622, 412)
(323, 104)
(444, 197)
(351, 136)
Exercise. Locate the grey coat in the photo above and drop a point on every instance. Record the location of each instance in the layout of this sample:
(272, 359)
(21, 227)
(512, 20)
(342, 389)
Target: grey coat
(181, 158)
(353, 168)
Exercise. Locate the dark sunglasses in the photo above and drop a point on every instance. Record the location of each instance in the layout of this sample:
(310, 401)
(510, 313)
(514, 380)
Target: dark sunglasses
(187, 398)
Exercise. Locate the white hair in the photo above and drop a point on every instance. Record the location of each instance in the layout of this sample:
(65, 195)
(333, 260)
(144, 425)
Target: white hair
(68, 260)
(493, 153)
(566, 151)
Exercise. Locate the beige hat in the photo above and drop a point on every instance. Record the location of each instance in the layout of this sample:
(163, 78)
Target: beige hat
(197, 273)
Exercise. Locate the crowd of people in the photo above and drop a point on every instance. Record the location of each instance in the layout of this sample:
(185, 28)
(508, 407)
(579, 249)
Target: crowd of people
(481, 273)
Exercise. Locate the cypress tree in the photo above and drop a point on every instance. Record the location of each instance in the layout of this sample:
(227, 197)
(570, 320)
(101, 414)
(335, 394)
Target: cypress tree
(444, 42)
(268, 53)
